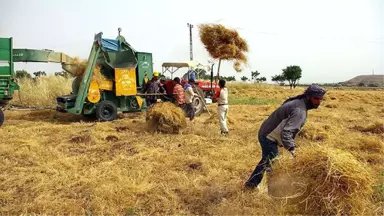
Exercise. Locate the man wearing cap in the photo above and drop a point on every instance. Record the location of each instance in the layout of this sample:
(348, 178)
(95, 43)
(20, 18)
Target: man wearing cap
(153, 86)
(281, 128)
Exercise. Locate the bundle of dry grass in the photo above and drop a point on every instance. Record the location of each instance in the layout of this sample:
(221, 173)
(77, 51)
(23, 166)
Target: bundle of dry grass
(335, 181)
(79, 66)
(224, 44)
(166, 117)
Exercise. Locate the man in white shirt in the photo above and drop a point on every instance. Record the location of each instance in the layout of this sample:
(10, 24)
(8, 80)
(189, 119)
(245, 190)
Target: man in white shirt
(222, 109)
(188, 95)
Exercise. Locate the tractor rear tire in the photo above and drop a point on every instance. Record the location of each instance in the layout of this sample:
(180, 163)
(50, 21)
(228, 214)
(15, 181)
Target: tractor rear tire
(1, 117)
(199, 106)
(106, 111)
(198, 102)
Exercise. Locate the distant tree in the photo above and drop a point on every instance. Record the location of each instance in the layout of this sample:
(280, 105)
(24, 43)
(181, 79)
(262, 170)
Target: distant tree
(292, 74)
(63, 74)
(39, 73)
(373, 85)
(361, 84)
(279, 79)
(261, 79)
(201, 73)
(254, 75)
(244, 78)
(22, 74)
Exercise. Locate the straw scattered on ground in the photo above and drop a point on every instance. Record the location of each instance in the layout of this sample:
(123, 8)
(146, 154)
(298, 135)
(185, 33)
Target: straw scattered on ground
(63, 164)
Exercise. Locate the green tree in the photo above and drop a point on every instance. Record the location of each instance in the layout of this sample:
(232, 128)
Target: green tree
(39, 73)
(63, 74)
(244, 78)
(279, 79)
(292, 74)
(261, 79)
(22, 74)
(254, 75)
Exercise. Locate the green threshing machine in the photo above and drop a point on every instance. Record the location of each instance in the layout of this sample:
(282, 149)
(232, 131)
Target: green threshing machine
(122, 67)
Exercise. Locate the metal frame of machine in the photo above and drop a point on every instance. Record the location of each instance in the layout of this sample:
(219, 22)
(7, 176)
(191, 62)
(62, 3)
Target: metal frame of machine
(8, 82)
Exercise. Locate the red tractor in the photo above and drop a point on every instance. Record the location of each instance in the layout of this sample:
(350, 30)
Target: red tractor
(208, 88)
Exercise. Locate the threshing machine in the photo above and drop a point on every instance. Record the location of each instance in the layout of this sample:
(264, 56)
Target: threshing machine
(124, 69)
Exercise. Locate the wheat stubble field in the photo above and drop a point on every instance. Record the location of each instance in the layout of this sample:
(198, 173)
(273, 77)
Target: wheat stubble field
(55, 163)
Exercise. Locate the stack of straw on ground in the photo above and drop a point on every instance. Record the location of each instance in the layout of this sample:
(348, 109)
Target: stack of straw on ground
(166, 117)
(323, 180)
(224, 44)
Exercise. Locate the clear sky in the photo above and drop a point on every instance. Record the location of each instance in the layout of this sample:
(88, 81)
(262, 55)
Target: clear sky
(331, 40)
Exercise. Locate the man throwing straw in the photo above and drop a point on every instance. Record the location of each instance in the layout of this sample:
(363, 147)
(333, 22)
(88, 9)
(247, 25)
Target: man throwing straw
(281, 127)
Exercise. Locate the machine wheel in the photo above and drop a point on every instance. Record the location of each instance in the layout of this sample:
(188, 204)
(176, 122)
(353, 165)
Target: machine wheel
(106, 111)
(1, 117)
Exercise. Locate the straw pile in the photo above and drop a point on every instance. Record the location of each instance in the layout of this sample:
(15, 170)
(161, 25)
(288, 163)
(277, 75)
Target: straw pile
(335, 181)
(166, 117)
(224, 44)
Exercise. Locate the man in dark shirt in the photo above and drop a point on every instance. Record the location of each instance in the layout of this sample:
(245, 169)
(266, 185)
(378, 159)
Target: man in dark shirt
(281, 127)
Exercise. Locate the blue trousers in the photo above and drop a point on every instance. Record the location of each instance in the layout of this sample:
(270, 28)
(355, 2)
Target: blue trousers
(269, 152)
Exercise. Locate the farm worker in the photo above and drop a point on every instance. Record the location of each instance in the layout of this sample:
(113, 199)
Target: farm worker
(192, 75)
(281, 127)
(178, 93)
(222, 102)
(153, 86)
(188, 92)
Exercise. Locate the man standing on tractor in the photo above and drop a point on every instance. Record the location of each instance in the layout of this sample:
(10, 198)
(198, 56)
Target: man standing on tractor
(188, 92)
(222, 102)
(281, 127)
(178, 93)
(153, 86)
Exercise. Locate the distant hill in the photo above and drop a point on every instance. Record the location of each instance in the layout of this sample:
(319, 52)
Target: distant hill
(366, 79)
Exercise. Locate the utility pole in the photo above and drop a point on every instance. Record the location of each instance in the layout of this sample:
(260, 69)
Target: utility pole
(190, 26)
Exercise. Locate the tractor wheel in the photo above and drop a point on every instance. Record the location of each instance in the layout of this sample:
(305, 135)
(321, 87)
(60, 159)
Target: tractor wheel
(106, 111)
(198, 101)
(199, 106)
(1, 117)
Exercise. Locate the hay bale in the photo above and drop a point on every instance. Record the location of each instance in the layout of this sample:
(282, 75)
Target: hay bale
(336, 182)
(224, 44)
(166, 117)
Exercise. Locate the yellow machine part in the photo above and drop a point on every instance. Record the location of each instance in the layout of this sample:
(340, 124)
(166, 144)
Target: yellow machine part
(106, 85)
(94, 92)
(125, 81)
(139, 101)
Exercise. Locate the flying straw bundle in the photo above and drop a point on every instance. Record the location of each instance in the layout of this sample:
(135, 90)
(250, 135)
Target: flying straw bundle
(336, 182)
(224, 44)
(79, 66)
(166, 117)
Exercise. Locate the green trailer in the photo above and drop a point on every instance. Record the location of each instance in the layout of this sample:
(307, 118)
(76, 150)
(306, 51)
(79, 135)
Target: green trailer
(8, 83)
